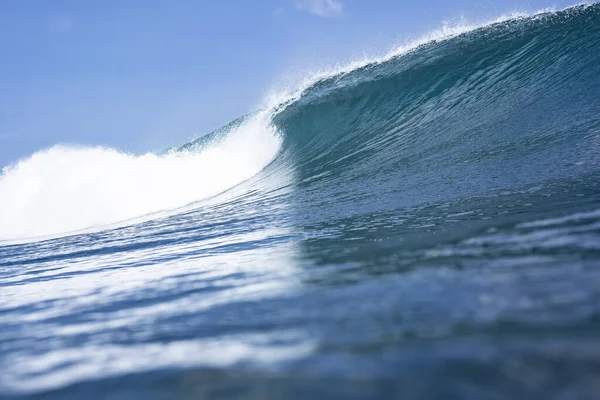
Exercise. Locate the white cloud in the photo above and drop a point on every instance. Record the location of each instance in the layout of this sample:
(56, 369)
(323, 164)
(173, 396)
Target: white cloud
(322, 8)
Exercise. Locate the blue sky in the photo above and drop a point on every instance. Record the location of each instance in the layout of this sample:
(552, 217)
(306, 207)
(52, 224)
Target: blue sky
(143, 75)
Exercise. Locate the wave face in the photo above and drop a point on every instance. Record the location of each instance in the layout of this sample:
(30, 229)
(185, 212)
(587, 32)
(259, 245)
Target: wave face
(497, 108)
(428, 222)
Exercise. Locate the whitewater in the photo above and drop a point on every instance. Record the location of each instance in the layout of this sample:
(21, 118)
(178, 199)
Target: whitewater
(422, 224)
(66, 188)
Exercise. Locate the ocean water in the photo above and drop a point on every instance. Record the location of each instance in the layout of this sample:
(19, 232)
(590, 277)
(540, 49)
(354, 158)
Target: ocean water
(423, 225)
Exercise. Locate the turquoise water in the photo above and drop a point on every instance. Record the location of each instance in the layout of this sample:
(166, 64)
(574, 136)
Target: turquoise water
(426, 225)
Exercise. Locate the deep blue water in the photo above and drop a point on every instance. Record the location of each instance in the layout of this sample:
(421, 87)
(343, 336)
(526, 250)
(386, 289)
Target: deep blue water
(423, 226)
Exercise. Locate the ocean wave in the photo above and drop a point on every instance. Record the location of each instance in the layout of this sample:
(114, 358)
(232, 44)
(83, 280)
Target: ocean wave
(463, 111)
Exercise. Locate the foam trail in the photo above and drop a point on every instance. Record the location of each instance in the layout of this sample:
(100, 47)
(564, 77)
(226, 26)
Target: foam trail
(65, 188)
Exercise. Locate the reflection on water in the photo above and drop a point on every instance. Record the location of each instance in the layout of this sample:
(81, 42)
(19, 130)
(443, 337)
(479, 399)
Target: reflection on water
(152, 296)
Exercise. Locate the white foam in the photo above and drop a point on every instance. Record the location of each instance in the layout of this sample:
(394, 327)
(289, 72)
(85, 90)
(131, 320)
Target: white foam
(68, 188)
